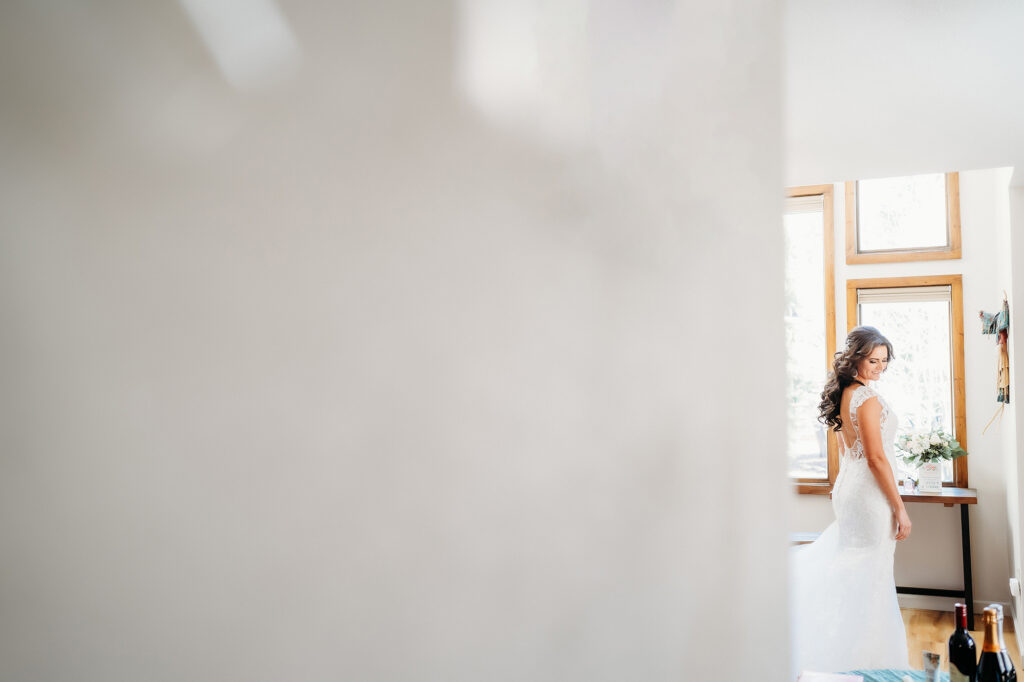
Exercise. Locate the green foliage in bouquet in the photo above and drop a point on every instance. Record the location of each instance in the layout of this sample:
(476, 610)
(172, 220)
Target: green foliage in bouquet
(936, 446)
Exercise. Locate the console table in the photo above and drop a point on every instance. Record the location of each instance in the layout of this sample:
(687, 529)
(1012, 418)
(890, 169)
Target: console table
(948, 497)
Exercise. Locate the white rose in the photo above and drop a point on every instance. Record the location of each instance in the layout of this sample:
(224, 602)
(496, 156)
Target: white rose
(935, 440)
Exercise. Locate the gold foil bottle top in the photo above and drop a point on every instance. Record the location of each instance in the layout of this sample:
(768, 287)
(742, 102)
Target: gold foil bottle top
(991, 620)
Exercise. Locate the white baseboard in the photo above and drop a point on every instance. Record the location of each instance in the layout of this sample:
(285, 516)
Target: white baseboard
(923, 601)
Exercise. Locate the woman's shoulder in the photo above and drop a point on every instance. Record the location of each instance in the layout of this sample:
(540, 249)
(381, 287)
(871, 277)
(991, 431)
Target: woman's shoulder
(859, 394)
(856, 387)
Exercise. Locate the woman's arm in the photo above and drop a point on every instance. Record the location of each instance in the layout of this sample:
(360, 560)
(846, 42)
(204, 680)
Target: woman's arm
(869, 417)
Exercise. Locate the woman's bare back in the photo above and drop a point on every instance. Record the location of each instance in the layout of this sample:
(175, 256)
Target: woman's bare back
(849, 434)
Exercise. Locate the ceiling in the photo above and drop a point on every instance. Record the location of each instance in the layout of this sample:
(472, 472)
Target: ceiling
(876, 89)
(871, 88)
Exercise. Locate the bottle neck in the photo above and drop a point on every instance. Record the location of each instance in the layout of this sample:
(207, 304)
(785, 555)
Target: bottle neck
(991, 636)
(961, 617)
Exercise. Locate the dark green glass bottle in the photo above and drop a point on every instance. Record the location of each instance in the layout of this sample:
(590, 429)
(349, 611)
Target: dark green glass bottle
(992, 666)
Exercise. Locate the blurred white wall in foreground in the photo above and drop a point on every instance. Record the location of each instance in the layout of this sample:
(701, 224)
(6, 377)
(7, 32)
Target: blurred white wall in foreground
(356, 377)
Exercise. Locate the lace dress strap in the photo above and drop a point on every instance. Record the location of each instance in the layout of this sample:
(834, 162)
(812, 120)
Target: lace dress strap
(860, 395)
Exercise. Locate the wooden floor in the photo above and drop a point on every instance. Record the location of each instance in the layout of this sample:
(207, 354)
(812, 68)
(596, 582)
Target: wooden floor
(930, 631)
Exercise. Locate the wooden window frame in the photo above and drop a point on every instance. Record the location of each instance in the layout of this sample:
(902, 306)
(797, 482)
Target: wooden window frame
(952, 251)
(817, 486)
(955, 283)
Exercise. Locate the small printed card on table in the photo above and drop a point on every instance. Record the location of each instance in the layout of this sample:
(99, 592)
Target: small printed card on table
(929, 477)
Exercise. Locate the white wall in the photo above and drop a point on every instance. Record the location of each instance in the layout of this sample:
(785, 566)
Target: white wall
(1014, 476)
(344, 380)
(931, 557)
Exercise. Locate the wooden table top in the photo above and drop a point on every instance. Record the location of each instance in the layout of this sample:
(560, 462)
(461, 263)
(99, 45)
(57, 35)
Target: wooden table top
(949, 496)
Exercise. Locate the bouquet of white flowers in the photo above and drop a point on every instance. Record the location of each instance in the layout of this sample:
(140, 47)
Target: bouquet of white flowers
(918, 448)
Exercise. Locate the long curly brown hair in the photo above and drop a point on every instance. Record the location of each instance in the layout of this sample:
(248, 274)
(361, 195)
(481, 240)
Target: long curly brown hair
(860, 343)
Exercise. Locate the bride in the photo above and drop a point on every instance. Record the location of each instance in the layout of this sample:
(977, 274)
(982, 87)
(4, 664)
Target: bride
(843, 596)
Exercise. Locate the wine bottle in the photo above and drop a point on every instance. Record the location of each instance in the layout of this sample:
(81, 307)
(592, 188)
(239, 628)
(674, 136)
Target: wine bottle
(991, 666)
(1011, 675)
(963, 656)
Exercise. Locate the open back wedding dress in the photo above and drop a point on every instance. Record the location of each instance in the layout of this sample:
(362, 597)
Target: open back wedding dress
(844, 613)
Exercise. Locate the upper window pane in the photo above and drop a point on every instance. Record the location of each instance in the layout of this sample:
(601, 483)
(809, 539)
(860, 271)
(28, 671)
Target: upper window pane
(803, 227)
(902, 213)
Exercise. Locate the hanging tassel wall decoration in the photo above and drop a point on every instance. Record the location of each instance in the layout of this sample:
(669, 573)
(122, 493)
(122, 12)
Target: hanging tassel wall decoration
(999, 324)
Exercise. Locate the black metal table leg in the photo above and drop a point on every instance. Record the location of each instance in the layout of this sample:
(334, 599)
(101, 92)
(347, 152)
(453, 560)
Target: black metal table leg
(965, 539)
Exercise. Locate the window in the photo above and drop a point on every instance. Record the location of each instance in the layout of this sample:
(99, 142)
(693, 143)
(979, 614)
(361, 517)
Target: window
(810, 333)
(923, 318)
(910, 218)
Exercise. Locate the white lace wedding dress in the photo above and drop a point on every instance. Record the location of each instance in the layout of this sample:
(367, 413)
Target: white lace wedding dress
(844, 614)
